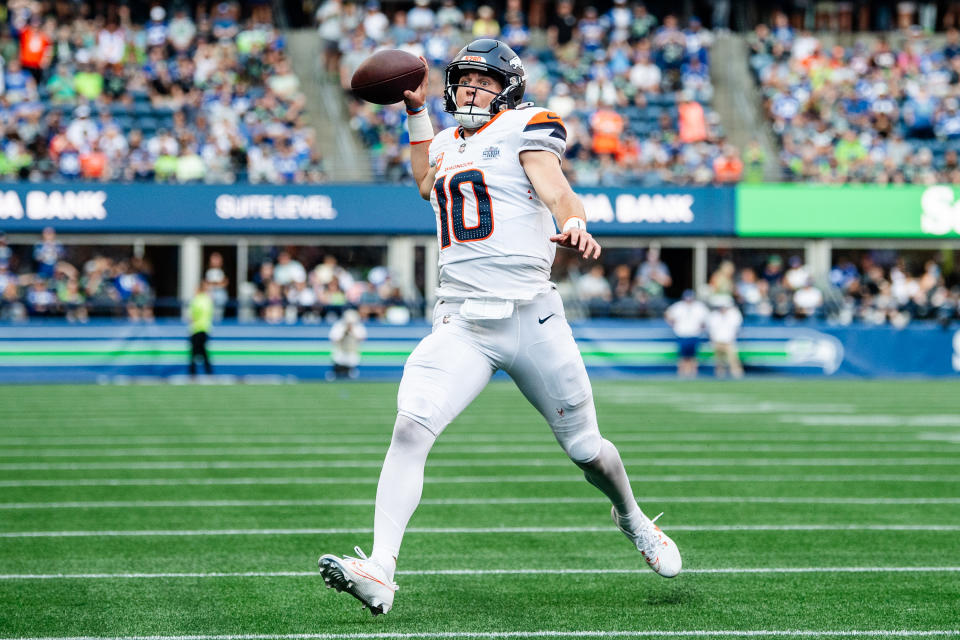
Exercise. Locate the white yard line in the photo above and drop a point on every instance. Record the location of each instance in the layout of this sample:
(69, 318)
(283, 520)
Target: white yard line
(445, 449)
(472, 572)
(876, 420)
(745, 528)
(646, 633)
(240, 504)
(300, 480)
(383, 439)
(471, 462)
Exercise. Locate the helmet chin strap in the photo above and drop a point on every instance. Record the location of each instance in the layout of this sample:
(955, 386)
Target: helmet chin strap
(472, 117)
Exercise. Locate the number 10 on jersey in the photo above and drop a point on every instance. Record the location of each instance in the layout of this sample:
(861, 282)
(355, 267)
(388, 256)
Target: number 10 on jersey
(451, 209)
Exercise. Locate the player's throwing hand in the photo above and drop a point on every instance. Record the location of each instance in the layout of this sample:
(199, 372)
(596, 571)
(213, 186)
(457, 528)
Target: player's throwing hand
(418, 97)
(579, 239)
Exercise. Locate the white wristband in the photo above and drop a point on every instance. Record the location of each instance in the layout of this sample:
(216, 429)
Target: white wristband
(574, 223)
(419, 126)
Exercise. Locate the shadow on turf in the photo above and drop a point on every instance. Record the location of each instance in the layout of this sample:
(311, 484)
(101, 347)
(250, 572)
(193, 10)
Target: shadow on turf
(681, 595)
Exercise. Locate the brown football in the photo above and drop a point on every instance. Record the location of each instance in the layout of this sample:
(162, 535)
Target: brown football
(383, 77)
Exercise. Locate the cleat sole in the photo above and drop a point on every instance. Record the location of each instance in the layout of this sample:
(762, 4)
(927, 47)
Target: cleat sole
(334, 578)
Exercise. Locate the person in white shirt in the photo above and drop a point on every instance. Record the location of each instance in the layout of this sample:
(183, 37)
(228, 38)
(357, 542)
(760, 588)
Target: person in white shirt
(288, 270)
(687, 318)
(723, 325)
(346, 336)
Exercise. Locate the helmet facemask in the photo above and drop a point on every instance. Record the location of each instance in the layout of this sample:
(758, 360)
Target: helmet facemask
(470, 116)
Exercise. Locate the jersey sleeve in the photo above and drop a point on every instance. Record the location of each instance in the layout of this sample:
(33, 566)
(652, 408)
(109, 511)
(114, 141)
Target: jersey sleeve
(544, 131)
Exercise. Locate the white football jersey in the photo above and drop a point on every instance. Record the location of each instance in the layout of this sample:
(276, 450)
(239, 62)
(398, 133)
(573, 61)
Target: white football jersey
(492, 227)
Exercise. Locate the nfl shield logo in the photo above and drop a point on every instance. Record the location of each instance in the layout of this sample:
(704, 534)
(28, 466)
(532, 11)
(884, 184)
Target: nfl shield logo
(463, 147)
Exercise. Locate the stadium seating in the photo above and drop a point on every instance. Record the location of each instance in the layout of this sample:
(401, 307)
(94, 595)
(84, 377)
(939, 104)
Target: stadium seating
(620, 61)
(883, 110)
(139, 77)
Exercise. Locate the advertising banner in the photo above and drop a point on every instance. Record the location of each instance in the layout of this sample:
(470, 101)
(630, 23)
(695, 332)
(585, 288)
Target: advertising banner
(853, 211)
(104, 351)
(674, 211)
(326, 209)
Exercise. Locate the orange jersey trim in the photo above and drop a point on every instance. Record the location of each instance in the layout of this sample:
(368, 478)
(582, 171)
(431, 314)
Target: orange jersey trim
(546, 117)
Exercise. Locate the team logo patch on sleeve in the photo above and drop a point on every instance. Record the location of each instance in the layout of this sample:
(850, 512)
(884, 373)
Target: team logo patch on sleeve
(547, 121)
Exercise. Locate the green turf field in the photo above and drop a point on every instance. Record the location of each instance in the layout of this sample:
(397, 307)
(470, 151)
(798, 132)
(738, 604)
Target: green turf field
(802, 509)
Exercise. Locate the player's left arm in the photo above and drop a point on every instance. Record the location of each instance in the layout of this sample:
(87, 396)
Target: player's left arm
(543, 171)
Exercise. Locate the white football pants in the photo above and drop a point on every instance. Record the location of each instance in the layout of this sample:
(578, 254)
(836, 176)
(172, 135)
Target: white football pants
(535, 346)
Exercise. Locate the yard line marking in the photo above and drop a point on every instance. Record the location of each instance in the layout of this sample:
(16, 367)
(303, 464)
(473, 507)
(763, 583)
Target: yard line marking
(470, 530)
(299, 480)
(471, 572)
(187, 504)
(452, 438)
(646, 633)
(470, 462)
(446, 449)
(879, 420)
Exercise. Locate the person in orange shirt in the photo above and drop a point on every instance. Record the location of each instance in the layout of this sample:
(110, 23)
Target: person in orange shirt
(728, 168)
(692, 122)
(35, 49)
(93, 164)
(607, 125)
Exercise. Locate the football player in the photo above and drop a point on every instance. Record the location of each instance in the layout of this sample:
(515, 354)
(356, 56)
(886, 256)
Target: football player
(496, 188)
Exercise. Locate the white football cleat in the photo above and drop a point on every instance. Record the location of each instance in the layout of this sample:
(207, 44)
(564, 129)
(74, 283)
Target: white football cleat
(361, 577)
(656, 547)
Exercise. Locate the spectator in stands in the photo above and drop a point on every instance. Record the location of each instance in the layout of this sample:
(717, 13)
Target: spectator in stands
(72, 301)
(217, 282)
(288, 270)
(593, 288)
(12, 308)
(751, 294)
(807, 300)
(653, 277)
(375, 22)
(728, 168)
(562, 25)
(47, 253)
(35, 47)
(485, 26)
(722, 280)
(6, 256)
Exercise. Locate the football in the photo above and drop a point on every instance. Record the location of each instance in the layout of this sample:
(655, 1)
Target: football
(383, 77)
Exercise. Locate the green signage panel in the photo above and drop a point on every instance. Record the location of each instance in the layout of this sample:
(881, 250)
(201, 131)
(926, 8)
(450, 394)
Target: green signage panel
(909, 211)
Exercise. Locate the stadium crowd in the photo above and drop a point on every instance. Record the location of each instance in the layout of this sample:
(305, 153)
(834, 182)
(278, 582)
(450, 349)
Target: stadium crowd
(885, 110)
(874, 290)
(292, 285)
(286, 291)
(195, 97)
(48, 285)
(634, 93)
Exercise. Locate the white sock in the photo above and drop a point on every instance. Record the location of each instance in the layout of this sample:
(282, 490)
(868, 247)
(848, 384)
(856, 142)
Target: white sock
(606, 472)
(385, 559)
(632, 521)
(399, 490)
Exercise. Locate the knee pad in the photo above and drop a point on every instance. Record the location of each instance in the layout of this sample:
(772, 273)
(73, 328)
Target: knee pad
(410, 435)
(584, 448)
(418, 407)
(577, 432)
